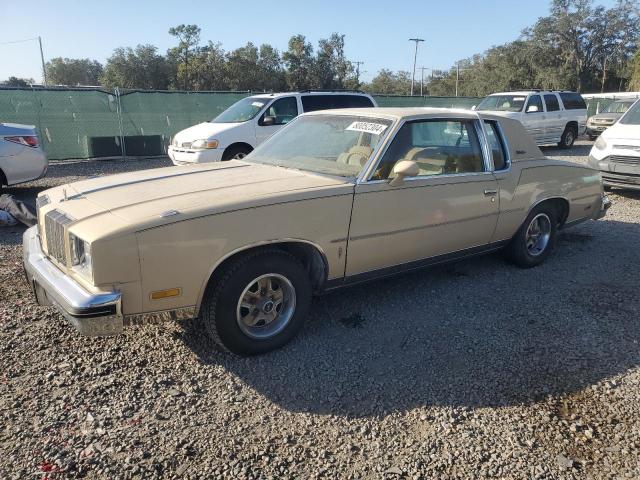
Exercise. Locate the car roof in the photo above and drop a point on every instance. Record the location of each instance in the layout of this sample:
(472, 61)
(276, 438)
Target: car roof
(309, 93)
(397, 113)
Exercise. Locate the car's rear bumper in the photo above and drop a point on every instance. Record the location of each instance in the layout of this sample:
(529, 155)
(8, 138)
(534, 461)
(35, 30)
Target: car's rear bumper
(183, 156)
(92, 314)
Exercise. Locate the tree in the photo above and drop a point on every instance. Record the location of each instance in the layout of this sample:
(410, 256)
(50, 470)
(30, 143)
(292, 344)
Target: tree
(188, 39)
(209, 67)
(299, 62)
(73, 71)
(17, 82)
(387, 82)
(139, 68)
(331, 67)
(242, 67)
(634, 82)
(271, 76)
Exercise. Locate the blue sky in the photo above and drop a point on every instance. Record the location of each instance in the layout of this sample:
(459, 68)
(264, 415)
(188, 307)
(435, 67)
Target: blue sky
(376, 32)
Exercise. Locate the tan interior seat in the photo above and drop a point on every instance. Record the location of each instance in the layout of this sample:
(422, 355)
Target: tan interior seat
(356, 155)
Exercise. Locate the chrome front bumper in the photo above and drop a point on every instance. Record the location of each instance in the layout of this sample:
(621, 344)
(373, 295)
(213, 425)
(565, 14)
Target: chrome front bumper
(606, 204)
(92, 314)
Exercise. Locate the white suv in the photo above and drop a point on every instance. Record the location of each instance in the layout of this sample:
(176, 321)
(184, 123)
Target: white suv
(549, 117)
(247, 123)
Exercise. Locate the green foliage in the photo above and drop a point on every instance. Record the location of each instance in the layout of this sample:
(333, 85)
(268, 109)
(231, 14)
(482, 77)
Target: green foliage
(577, 47)
(634, 73)
(17, 82)
(390, 83)
(141, 67)
(73, 71)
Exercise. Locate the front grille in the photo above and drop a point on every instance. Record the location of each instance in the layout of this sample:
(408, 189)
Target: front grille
(54, 228)
(623, 159)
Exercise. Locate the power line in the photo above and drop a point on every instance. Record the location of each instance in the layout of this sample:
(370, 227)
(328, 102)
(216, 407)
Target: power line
(19, 41)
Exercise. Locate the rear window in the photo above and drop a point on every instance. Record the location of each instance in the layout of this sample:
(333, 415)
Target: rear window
(573, 101)
(311, 103)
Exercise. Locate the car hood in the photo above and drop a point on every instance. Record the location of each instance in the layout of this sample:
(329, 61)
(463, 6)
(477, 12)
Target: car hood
(501, 113)
(202, 131)
(622, 131)
(149, 198)
(607, 116)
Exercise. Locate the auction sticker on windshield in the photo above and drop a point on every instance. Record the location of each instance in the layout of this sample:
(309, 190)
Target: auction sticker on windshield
(367, 127)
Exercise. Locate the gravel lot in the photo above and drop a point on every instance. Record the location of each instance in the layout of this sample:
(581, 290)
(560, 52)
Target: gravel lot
(474, 370)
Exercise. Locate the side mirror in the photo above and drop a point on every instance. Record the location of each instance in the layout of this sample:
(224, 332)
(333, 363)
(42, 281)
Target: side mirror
(267, 121)
(403, 169)
(532, 109)
(473, 107)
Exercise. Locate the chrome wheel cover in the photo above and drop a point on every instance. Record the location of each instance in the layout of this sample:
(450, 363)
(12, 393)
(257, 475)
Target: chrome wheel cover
(266, 306)
(538, 234)
(239, 156)
(568, 138)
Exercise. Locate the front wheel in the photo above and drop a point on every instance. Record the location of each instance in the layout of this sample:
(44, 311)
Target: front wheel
(235, 153)
(568, 137)
(258, 304)
(535, 239)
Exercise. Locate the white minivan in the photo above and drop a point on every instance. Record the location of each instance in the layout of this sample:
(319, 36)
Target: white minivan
(548, 116)
(247, 123)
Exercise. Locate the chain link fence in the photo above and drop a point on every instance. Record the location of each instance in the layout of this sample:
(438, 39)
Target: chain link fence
(83, 123)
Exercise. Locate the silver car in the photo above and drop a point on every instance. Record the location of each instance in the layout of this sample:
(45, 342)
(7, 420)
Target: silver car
(611, 114)
(21, 156)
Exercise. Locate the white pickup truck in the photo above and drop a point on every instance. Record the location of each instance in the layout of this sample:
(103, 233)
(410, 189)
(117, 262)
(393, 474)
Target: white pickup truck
(548, 116)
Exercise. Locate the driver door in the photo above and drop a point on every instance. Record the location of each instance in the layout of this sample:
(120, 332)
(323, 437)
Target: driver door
(449, 208)
(279, 113)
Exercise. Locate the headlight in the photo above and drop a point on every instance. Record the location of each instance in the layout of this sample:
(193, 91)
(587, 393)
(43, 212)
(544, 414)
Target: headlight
(600, 144)
(80, 256)
(204, 144)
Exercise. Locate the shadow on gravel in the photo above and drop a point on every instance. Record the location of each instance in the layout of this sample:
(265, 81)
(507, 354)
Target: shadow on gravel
(477, 334)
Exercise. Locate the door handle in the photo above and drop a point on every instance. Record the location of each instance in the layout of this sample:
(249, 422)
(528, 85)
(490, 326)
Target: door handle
(490, 192)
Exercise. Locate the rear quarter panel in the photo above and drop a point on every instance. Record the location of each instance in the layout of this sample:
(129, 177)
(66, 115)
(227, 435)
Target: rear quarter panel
(531, 182)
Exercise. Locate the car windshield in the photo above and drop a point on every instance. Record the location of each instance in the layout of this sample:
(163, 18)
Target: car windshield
(331, 144)
(503, 103)
(617, 107)
(632, 117)
(242, 110)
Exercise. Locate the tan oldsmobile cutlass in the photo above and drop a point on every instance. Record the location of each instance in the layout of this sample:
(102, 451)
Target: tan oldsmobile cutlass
(334, 198)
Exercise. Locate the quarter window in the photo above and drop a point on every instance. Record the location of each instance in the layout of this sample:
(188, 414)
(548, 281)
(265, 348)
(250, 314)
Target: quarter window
(282, 110)
(534, 101)
(496, 143)
(572, 101)
(439, 147)
(552, 103)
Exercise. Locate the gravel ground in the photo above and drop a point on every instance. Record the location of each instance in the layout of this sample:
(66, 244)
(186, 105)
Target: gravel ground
(474, 370)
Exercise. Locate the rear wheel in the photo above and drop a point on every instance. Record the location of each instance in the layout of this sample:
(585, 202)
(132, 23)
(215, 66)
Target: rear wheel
(535, 239)
(568, 137)
(258, 304)
(236, 153)
(592, 137)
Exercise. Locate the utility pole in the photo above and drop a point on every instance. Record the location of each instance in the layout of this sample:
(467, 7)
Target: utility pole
(415, 57)
(44, 68)
(422, 69)
(358, 63)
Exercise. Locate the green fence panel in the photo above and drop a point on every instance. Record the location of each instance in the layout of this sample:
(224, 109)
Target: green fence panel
(166, 113)
(79, 123)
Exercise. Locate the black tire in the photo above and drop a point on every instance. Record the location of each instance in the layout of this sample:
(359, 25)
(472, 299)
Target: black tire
(568, 137)
(518, 251)
(220, 305)
(235, 153)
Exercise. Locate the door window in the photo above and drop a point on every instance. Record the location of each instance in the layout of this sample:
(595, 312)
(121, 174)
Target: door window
(282, 110)
(552, 102)
(439, 147)
(311, 103)
(534, 101)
